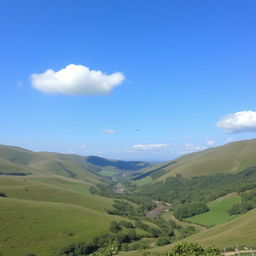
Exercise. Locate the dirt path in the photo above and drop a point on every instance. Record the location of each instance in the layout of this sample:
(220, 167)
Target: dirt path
(238, 252)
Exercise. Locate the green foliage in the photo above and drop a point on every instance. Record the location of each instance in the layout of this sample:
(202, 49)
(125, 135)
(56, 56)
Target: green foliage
(179, 190)
(77, 249)
(248, 203)
(218, 211)
(154, 232)
(123, 208)
(114, 227)
(2, 194)
(140, 245)
(192, 249)
(126, 224)
(167, 227)
(189, 210)
(111, 250)
(163, 241)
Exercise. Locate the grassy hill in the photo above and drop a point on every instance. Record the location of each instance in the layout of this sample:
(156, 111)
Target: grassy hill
(232, 157)
(240, 231)
(19, 161)
(43, 213)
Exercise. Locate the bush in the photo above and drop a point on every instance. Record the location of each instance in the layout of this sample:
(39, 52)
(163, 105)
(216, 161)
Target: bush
(110, 250)
(77, 249)
(163, 241)
(192, 249)
(114, 227)
(126, 224)
(189, 210)
(2, 194)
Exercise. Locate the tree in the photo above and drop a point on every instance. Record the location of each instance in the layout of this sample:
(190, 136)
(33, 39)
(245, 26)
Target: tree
(114, 227)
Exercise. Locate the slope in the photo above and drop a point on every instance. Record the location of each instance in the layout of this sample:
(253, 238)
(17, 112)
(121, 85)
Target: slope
(232, 157)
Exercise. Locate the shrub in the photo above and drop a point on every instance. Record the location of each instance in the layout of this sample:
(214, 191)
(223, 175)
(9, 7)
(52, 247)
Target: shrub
(189, 210)
(2, 194)
(192, 249)
(163, 241)
(114, 227)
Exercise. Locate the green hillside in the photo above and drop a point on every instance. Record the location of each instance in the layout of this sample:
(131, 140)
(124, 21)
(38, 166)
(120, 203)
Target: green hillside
(42, 214)
(19, 161)
(232, 157)
(240, 231)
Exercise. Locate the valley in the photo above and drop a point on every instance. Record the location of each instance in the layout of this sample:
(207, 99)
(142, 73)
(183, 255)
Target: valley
(50, 201)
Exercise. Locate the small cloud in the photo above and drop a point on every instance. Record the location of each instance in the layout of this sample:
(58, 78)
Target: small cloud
(110, 131)
(244, 121)
(148, 146)
(83, 146)
(210, 142)
(71, 152)
(76, 80)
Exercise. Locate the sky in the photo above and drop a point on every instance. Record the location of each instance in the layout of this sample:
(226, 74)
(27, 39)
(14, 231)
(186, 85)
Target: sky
(131, 79)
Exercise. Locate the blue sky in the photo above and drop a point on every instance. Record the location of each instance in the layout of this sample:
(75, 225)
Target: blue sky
(184, 75)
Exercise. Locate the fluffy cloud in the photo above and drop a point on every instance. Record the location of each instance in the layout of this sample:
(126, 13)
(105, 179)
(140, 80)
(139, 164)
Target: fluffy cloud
(210, 142)
(148, 146)
(76, 80)
(238, 122)
(111, 131)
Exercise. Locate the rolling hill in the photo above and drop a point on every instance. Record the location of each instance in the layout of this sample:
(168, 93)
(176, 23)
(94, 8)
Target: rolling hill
(232, 157)
(19, 161)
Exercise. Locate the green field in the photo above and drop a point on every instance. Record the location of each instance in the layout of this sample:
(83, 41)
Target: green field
(218, 211)
(42, 214)
(143, 181)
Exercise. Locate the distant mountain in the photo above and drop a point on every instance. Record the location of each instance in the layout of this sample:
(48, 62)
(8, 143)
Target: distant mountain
(232, 157)
(121, 165)
(20, 161)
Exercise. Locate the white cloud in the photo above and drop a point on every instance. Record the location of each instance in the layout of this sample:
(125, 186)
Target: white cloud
(210, 142)
(110, 131)
(83, 146)
(238, 122)
(230, 139)
(190, 148)
(76, 80)
(148, 146)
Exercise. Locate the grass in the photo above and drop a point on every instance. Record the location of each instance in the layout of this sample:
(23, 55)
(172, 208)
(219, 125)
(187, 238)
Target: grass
(43, 227)
(107, 173)
(218, 211)
(42, 214)
(232, 157)
(143, 181)
(240, 231)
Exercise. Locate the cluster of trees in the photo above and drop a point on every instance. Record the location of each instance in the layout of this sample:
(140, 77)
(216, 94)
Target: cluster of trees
(123, 208)
(189, 210)
(179, 190)
(78, 249)
(248, 203)
(182, 249)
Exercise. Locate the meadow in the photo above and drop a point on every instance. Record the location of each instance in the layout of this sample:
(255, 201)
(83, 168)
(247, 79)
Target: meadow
(218, 211)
